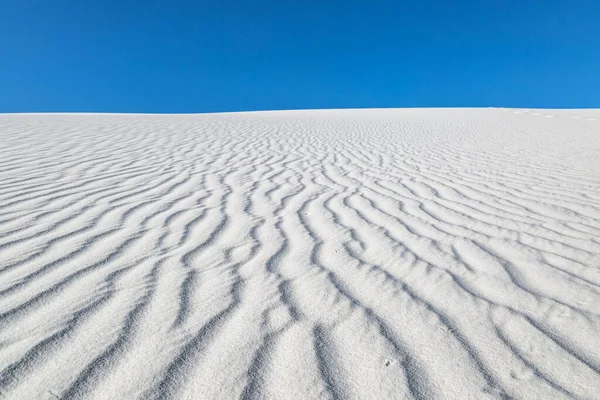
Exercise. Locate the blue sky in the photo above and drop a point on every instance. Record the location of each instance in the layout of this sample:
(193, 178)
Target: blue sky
(205, 56)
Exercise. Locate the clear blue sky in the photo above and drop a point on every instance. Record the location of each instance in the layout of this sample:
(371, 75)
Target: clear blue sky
(204, 56)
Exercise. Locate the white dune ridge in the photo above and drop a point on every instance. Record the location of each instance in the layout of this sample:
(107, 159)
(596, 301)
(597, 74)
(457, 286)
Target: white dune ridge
(335, 254)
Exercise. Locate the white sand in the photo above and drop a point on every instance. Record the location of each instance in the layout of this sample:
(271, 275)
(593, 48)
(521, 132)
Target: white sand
(351, 254)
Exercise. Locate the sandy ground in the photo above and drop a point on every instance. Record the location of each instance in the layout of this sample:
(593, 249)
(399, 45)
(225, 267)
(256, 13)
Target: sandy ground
(343, 254)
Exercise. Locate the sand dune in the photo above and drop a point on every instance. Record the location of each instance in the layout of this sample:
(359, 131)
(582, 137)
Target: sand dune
(341, 254)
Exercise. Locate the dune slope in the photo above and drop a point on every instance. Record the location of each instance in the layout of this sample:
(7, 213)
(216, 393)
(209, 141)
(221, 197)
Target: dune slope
(336, 254)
